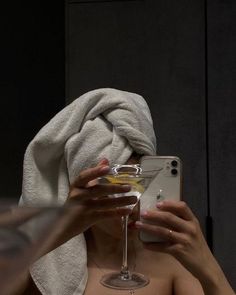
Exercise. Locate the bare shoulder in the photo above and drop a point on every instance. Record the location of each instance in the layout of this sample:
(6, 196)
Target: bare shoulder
(162, 262)
(159, 267)
(184, 283)
(166, 266)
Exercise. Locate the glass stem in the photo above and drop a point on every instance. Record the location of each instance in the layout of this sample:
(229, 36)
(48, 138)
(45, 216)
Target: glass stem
(125, 275)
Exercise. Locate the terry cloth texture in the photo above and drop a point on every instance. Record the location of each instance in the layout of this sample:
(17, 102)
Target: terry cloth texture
(101, 123)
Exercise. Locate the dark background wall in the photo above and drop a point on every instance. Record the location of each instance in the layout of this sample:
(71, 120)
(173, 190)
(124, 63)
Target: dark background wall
(221, 36)
(180, 55)
(32, 79)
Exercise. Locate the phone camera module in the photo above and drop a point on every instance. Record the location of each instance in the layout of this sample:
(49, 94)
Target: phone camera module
(174, 171)
(174, 163)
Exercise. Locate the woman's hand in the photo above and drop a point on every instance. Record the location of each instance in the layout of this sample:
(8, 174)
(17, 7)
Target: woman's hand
(176, 225)
(88, 203)
(89, 198)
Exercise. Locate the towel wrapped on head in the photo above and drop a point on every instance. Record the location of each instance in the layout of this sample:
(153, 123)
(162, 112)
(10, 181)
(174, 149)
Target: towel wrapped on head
(101, 123)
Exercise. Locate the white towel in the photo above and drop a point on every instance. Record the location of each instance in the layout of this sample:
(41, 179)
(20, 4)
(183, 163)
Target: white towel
(101, 123)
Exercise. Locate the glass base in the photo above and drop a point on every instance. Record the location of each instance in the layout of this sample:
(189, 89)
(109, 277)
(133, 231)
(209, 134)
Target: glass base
(117, 281)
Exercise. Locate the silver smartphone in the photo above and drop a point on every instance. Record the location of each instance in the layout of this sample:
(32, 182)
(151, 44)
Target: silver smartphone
(166, 184)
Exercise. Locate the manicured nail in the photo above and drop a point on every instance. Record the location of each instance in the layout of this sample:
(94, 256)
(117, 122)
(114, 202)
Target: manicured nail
(126, 187)
(105, 169)
(143, 213)
(103, 160)
(159, 205)
(138, 224)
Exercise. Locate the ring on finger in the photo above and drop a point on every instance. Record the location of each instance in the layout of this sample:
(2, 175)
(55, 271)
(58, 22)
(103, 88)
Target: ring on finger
(170, 233)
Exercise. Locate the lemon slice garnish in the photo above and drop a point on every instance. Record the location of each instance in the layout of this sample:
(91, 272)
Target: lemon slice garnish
(127, 179)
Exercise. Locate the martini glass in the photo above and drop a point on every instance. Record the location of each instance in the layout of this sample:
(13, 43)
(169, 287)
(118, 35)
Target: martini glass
(132, 175)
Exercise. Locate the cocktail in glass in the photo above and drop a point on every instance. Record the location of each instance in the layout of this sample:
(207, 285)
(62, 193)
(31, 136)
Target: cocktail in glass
(132, 175)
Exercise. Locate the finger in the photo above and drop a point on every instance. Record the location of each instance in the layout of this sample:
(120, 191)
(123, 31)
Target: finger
(111, 203)
(102, 190)
(103, 162)
(108, 189)
(179, 208)
(166, 219)
(90, 174)
(98, 191)
(134, 216)
(163, 233)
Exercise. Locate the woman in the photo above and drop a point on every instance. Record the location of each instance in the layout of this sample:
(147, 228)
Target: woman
(104, 244)
(104, 122)
(177, 266)
(84, 207)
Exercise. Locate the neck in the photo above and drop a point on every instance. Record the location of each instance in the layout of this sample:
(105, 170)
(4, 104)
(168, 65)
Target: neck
(107, 250)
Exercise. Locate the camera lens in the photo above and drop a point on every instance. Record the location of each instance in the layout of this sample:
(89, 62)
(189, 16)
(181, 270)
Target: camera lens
(174, 163)
(174, 171)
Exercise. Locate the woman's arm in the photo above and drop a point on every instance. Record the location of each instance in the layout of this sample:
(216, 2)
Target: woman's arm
(180, 230)
(87, 204)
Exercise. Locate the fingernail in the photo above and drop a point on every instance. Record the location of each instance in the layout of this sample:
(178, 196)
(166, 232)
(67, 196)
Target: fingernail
(159, 205)
(105, 169)
(126, 187)
(138, 224)
(143, 213)
(103, 160)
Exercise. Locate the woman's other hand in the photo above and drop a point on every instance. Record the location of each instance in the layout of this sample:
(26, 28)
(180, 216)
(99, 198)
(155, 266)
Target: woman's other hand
(177, 226)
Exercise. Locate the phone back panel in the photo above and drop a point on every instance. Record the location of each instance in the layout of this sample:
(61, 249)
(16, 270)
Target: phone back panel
(165, 185)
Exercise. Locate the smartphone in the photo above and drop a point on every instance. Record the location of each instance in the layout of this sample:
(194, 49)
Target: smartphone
(165, 184)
